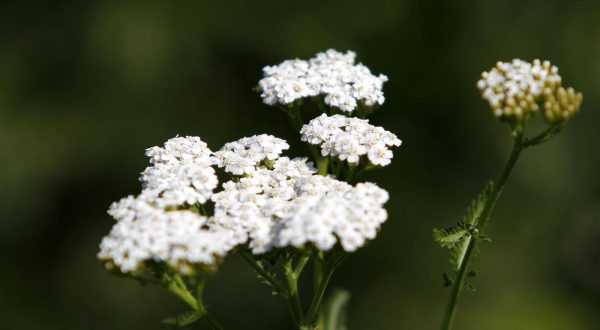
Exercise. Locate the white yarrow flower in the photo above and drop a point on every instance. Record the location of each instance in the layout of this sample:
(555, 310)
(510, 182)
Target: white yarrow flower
(349, 139)
(290, 205)
(181, 172)
(244, 155)
(334, 75)
(277, 202)
(181, 239)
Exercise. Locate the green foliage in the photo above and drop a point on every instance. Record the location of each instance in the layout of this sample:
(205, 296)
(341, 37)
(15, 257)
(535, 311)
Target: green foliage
(268, 276)
(450, 237)
(457, 238)
(183, 319)
(263, 268)
(478, 204)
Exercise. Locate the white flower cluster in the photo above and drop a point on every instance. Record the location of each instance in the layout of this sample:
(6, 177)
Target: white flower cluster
(515, 90)
(278, 202)
(349, 138)
(181, 172)
(290, 205)
(145, 232)
(244, 155)
(331, 74)
(149, 226)
(350, 215)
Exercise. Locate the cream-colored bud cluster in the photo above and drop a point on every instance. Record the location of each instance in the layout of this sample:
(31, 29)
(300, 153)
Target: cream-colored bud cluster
(562, 105)
(516, 90)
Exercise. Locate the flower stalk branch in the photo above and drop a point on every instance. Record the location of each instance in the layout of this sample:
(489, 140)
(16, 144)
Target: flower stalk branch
(459, 282)
(177, 287)
(321, 283)
(515, 91)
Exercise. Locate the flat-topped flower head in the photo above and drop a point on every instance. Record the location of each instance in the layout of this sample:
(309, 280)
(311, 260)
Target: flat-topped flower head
(133, 207)
(345, 214)
(250, 204)
(516, 90)
(181, 149)
(245, 155)
(350, 139)
(333, 75)
(181, 239)
(291, 206)
(181, 173)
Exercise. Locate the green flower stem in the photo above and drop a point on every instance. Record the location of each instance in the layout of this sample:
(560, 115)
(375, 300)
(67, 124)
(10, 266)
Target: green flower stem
(293, 295)
(546, 135)
(481, 225)
(318, 275)
(318, 296)
(177, 287)
(326, 272)
(301, 263)
(322, 165)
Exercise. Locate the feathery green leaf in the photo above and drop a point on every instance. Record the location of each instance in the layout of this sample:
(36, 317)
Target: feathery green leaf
(478, 204)
(183, 319)
(449, 237)
(457, 238)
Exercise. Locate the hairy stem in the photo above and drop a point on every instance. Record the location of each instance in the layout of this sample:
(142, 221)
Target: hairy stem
(459, 282)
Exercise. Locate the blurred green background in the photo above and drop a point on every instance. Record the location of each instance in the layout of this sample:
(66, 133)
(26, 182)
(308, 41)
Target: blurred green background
(86, 86)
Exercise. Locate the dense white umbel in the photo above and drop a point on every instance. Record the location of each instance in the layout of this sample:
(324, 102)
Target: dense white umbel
(350, 138)
(331, 74)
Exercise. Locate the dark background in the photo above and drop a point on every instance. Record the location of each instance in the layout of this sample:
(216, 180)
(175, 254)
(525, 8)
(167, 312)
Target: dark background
(86, 86)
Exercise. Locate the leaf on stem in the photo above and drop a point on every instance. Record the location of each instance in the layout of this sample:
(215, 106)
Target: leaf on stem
(183, 319)
(478, 204)
(450, 237)
(457, 238)
(267, 277)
